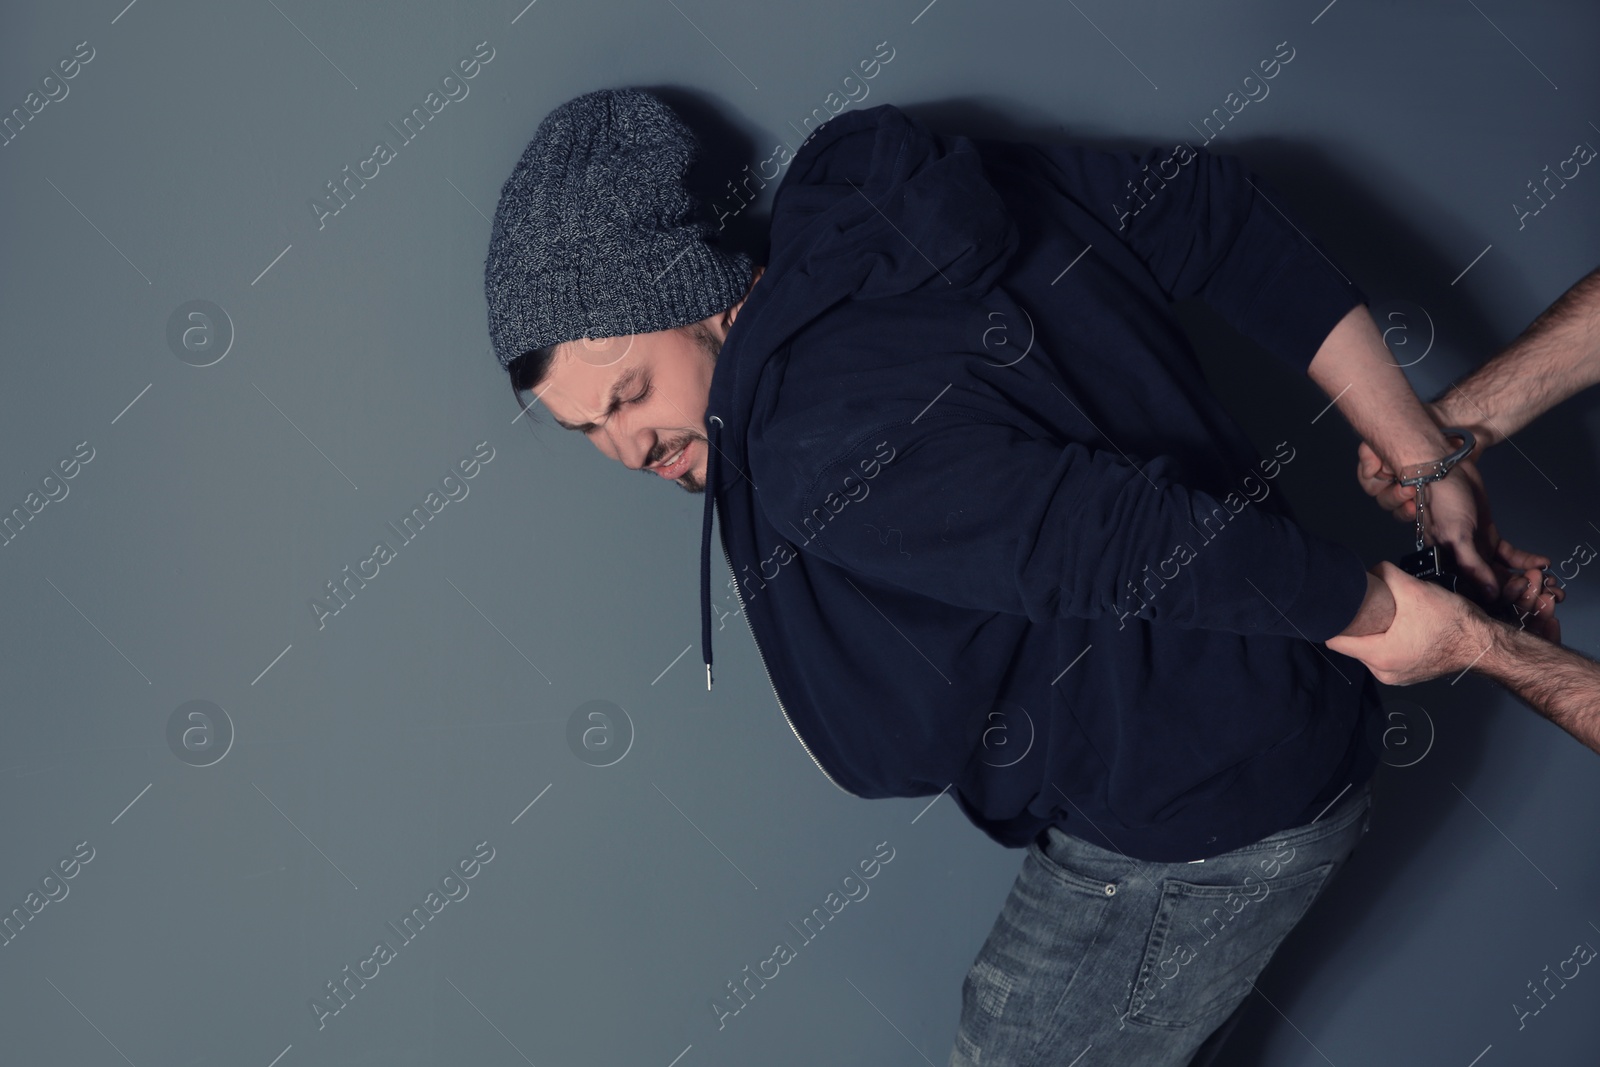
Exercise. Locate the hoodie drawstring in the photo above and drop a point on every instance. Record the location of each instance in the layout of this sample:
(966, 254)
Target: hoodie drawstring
(713, 425)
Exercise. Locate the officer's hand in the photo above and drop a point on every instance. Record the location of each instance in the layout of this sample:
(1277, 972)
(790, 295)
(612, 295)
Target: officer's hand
(1434, 632)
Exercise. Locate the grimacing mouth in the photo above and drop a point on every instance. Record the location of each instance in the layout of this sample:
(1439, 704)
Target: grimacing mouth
(655, 468)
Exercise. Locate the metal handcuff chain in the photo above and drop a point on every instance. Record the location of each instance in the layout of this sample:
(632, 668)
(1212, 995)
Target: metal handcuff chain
(1439, 468)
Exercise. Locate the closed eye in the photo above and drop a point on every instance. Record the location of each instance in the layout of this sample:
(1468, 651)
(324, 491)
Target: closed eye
(649, 388)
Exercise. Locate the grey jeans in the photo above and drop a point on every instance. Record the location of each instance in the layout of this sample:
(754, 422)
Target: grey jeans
(1140, 961)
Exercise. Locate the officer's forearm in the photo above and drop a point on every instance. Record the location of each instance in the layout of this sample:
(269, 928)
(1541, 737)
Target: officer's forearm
(1557, 682)
(1556, 356)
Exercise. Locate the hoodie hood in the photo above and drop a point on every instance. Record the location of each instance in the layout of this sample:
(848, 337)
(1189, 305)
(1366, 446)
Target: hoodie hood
(874, 204)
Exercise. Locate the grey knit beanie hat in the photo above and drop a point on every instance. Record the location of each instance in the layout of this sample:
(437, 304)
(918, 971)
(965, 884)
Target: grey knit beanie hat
(595, 234)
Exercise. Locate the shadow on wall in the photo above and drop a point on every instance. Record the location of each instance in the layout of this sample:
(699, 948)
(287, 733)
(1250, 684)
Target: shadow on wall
(1352, 210)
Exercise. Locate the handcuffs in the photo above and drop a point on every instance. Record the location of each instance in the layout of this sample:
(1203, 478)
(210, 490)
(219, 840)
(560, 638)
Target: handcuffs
(1436, 563)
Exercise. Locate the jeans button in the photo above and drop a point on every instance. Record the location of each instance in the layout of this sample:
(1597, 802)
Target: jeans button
(1111, 889)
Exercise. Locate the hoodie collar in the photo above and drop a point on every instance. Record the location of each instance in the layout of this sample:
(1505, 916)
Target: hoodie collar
(874, 204)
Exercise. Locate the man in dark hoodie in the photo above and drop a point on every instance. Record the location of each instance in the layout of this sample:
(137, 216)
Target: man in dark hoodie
(1041, 568)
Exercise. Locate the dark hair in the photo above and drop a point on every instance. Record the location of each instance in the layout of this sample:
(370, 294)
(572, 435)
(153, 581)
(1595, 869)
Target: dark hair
(527, 371)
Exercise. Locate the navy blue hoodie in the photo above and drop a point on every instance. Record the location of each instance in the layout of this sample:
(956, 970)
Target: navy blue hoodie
(991, 530)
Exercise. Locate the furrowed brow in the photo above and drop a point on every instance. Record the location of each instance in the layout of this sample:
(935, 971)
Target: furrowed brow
(613, 402)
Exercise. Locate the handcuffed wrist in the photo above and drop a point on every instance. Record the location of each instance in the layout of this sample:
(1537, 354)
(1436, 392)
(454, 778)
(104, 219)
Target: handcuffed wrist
(1433, 470)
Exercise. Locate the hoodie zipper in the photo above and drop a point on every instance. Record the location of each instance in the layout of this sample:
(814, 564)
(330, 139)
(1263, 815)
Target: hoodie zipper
(761, 656)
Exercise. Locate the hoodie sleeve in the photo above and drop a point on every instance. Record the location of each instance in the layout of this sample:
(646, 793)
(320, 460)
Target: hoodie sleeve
(980, 515)
(1206, 226)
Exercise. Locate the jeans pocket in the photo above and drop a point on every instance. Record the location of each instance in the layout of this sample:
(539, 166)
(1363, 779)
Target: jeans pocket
(1080, 864)
(1208, 943)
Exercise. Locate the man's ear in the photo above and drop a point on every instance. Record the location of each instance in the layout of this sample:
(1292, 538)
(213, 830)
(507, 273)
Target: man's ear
(733, 312)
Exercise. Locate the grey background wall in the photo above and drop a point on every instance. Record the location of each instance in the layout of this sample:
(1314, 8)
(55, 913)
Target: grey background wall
(233, 856)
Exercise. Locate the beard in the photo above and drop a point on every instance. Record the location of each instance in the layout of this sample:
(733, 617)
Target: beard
(708, 341)
(711, 345)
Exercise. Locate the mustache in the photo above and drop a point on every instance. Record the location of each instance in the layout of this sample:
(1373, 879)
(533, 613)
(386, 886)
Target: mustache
(663, 451)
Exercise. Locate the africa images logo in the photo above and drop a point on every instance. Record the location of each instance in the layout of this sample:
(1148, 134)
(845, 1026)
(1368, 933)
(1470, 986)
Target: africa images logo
(455, 88)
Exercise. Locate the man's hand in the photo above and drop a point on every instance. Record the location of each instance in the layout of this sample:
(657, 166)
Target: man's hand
(1378, 480)
(1459, 516)
(1375, 477)
(1533, 595)
(1434, 631)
